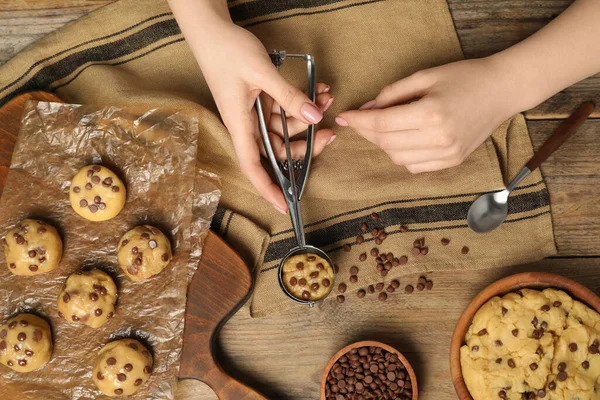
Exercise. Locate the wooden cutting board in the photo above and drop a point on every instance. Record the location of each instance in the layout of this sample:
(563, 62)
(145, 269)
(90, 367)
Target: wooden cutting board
(219, 287)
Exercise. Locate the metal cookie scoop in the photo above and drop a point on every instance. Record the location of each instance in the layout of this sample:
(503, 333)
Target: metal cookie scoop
(292, 185)
(489, 211)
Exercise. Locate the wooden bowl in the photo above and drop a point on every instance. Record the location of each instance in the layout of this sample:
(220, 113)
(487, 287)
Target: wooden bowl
(530, 280)
(367, 343)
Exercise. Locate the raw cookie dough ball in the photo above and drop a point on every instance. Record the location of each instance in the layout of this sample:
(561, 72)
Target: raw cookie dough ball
(122, 367)
(25, 342)
(97, 193)
(144, 252)
(88, 297)
(32, 247)
(307, 276)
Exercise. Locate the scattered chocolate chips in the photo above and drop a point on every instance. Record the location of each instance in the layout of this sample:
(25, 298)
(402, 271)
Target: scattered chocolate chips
(382, 296)
(420, 287)
(107, 182)
(97, 199)
(533, 366)
(475, 348)
(76, 189)
(305, 295)
(374, 252)
(93, 297)
(504, 311)
(409, 289)
(353, 270)
(342, 287)
(341, 299)
(20, 239)
(370, 289)
(293, 281)
(364, 227)
(445, 242)
(379, 286)
(465, 250)
(375, 216)
(12, 325)
(362, 257)
(552, 385)
(41, 230)
(325, 282)
(347, 248)
(353, 279)
(133, 346)
(361, 293)
(314, 287)
(360, 239)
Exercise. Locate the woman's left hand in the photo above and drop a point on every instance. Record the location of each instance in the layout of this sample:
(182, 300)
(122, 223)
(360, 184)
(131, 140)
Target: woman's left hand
(435, 118)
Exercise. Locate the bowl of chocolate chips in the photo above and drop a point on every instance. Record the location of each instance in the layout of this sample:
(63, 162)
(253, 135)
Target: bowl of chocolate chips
(368, 370)
(528, 336)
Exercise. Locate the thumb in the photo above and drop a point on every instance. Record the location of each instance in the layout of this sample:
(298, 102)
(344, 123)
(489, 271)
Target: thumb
(401, 91)
(294, 102)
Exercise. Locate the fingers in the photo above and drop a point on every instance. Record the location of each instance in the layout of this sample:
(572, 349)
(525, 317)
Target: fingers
(322, 138)
(293, 101)
(242, 125)
(431, 166)
(322, 98)
(296, 126)
(411, 87)
(412, 157)
(398, 118)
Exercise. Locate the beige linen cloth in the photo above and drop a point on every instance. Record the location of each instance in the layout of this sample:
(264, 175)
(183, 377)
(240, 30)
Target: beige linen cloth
(132, 52)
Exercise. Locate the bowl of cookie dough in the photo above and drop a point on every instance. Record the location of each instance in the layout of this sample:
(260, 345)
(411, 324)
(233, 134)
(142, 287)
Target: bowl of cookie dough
(528, 336)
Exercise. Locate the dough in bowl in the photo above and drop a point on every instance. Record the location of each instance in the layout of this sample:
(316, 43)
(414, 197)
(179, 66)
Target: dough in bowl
(32, 247)
(533, 345)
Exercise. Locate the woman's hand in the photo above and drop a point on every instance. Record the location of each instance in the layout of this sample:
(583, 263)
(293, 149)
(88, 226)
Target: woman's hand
(237, 68)
(435, 118)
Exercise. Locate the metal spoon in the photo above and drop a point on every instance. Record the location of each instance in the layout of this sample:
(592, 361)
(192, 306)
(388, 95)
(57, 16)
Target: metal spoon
(489, 211)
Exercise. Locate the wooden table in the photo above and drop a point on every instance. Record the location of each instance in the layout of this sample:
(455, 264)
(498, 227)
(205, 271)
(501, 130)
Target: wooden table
(283, 355)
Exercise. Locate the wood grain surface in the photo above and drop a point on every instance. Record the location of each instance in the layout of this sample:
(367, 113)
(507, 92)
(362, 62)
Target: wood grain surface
(283, 355)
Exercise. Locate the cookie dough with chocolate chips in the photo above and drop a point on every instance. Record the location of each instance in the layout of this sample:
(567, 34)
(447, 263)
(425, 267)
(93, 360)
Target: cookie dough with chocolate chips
(32, 247)
(307, 276)
(96, 193)
(533, 345)
(88, 297)
(122, 367)
(25, 343)
(144, 252)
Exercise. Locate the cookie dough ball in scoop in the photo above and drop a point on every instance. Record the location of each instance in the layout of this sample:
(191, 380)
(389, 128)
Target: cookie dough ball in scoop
(25, 343)
(97, 194)
(144, 252)
(88, 297)
(32, 247)
(122, 367)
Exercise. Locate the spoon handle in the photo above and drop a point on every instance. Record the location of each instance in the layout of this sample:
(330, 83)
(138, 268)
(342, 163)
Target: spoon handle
(561, 134)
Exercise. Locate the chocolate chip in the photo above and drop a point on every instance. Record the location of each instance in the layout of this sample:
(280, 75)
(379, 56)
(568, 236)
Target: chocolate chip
(515, 332)
(306, 295)
(362, 257)
(145, 235)
(445, 241)
(374, 252)
(22, 363)
(557, 304)
(573, 347)
(353, 278)
(3, 333)
(28, 353)
(382, 235)
(562, 366)
(33, 268)
(363, 227)
(552, 385)
(511, 363)
(314, 274)
(138, 261)
(562, 376)
(93, 208)
(88, 186)
(403, 229)
(378, 241)
(498, 342)
(37, 335)
(541, 393)
(98, 312)
(115, 189)
(534, 322)
(429, 285)
(533, 366)
(361, 293)
(314, 287)
(300, 266)
(302, 282)
(41, 251)
(347, 248)
(409, 289)
(424, 251)
(121, 377)
(17, 347)
(342, 287)
(96, 168)
(32, 253)
(99, 376)
(416, 251)
(320, 266)
(375, 232)
(107, 182)
(95, 179)
(10, 363)
(165, 257)
(464, 250)
(133, 346)
(593, 349)
(353, 270)
(482, 332)
(370, 289)
(66, 297)
(148, 369)
(138, 382)
(293, 281)
(545, 308)
(502, 394)
(375, 216)
(12, 325)
(76, 189)
(111, 361)
(75, 318)
(3, 345)
(379, 286)
(395, 284)
(475, 348)
(119, 391)
(498, 361)
(420, 287)
(341, 299)
(41, 230)
(97, 199)
(145, 354)
(585, 364)
(21, 336)
(20, 239)
(12, 266)
(360, 239)
(382, 296)
(325, 282)
(90, 173)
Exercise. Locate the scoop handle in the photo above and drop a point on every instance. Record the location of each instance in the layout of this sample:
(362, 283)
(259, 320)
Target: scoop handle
(561, 134)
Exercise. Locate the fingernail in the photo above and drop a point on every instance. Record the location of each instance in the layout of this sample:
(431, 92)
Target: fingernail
(328, 104)
(327, 89)
(281, 210)
(311, 113)
(331, 140)
(368, 105)
(341, 121)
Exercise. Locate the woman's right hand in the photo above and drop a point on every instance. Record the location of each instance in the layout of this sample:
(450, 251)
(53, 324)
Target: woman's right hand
(237, 68)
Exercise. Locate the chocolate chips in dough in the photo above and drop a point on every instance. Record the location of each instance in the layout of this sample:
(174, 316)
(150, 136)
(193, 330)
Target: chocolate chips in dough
(531, 344)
